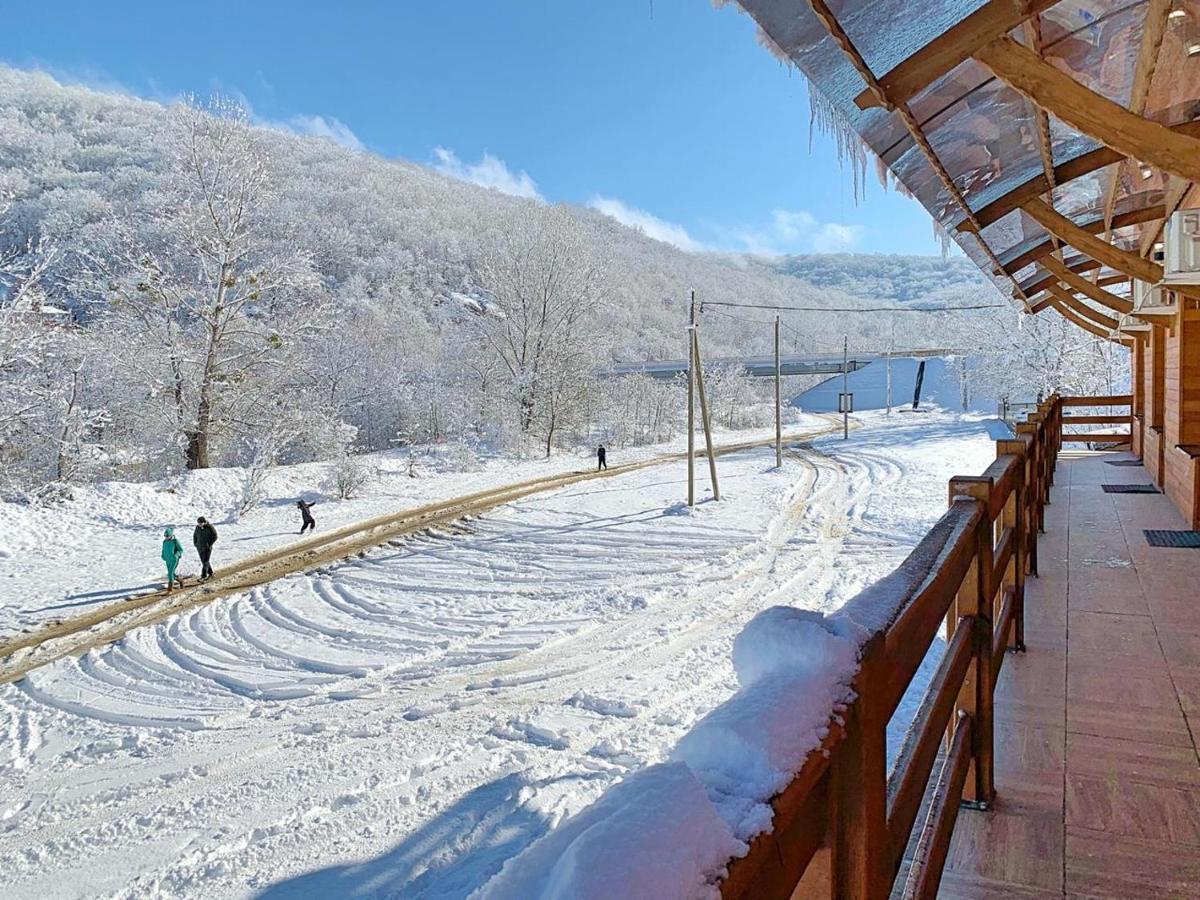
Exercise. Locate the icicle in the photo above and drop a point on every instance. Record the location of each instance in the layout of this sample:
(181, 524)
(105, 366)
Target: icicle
(850, 146)
(942, 236)
(881, 172)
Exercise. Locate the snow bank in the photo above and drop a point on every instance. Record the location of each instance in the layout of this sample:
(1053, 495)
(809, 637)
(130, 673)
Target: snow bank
(669, 830)
(793, 671)
(654, 836)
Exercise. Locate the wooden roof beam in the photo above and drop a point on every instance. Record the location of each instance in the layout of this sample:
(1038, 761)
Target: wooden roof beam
(992, 20)
(1153, 31)
(1073, 317)
(1046, 247)
(1097, 248)
(1084, 164)
(1095, 115)
(1177, 189)
(1081, 285)
(1071, 302)
(1036, 287)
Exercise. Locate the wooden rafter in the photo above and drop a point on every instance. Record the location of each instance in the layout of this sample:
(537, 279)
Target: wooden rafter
(1082, 165)
(1153, 31)
(1036, 287)
(1177, 189)
(1033, 33)
(1097, 248)
(879, 92)
(1072, 302)
(1133, 217)
(1071, 316)
(1089, 112)
(1076, 282)
(955, 45)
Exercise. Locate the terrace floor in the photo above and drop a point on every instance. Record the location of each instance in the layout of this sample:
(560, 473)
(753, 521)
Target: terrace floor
(1098, 779)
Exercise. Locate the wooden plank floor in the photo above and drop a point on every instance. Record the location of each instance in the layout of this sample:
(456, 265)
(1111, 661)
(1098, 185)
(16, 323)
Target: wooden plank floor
(1097, 771)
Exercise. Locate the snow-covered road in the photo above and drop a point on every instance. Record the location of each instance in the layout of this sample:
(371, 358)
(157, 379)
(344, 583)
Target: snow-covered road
(401, 724)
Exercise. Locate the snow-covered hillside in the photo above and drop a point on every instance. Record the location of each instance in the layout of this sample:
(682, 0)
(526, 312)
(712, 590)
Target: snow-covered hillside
(404, 723)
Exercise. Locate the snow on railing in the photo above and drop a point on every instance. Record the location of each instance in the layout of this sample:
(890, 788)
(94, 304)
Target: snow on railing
(750, 792)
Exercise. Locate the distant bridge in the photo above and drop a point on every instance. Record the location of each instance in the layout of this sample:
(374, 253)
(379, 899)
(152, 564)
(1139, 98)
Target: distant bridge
(764, 366)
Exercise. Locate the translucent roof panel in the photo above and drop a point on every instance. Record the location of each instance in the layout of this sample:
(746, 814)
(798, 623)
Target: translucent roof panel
(913, 26)
(987, 138)
(1102, 55)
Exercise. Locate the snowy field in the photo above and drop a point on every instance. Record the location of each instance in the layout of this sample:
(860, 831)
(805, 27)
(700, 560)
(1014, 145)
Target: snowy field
(59, 560)
(402, 724)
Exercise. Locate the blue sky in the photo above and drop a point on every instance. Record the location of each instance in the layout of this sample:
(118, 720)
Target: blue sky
(663, 113)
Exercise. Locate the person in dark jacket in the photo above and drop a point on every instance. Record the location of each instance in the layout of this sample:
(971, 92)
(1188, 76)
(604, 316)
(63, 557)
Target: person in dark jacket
(601, 458)
(203, 538)
(307, 521)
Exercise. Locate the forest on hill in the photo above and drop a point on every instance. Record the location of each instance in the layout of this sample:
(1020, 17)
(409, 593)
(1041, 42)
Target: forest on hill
(181, 287)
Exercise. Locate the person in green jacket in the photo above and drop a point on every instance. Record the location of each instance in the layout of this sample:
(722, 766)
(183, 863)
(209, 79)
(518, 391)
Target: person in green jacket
(172, 552)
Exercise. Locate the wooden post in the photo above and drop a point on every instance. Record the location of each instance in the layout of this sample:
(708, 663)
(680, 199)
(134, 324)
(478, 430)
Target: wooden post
(1014, 518)
(778, 412)
(845, 388)
(975, 599)
(860, 854)
(691, 406)
(1028, 431)
(708, 443)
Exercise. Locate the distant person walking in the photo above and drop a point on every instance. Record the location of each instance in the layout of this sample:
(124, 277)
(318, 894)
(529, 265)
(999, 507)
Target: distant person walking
(204, 537)
(306, 519)
(172, 552)
(601, 458)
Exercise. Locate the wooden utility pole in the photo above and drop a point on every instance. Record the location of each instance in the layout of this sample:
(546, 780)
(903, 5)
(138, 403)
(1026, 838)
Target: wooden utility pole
(891, 353)
(712, 459)
(845, 388)
(778, 423)
(691, 404)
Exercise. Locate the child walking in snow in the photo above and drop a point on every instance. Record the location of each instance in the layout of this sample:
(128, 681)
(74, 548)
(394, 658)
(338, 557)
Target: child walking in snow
(172, 552)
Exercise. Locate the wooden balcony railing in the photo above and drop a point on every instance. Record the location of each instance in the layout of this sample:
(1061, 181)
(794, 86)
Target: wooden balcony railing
(844, 827)
(1100, 437)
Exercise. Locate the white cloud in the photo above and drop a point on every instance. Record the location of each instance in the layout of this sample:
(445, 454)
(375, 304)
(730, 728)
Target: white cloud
(835, 238)
(794, 231)
(647, 223)
(325, 127)
(489, 172)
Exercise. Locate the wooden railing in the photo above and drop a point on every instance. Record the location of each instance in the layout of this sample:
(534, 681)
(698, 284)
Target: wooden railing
(1114, 437)
(846, 826)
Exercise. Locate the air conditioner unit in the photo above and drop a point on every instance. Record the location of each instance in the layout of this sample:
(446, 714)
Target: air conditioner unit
(1181, 264)
(1152, 299)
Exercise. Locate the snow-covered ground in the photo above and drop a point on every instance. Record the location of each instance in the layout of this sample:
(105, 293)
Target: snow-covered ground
(402, 724)
(57, 561)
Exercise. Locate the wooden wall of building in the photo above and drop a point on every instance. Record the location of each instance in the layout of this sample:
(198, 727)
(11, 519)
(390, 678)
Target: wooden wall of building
(1167, 391)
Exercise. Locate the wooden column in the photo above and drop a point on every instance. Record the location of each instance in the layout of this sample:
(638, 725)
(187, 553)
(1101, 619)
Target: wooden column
(1137, 362)
(1181, 412)
(1014, 517)
(859, 859)
(975, 599)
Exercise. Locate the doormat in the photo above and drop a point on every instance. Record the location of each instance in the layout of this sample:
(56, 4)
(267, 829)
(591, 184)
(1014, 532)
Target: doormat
(1130, 489)
(1123, 462)
(1185, 539)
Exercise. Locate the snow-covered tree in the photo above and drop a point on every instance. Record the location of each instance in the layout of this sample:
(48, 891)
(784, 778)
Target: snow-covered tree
(205, 293)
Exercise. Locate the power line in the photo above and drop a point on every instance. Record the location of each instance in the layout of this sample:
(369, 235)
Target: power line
(854, 309)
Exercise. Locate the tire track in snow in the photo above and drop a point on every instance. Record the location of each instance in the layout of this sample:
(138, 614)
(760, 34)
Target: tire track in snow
(414, 784)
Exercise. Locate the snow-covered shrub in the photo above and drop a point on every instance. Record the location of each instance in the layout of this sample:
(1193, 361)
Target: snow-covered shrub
(350, 475)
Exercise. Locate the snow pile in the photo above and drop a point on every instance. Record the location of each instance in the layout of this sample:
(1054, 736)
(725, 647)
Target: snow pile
(669, 830)
(793, 671)
(654, 836)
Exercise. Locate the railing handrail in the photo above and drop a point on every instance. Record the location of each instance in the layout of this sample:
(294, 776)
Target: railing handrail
(968, 571)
